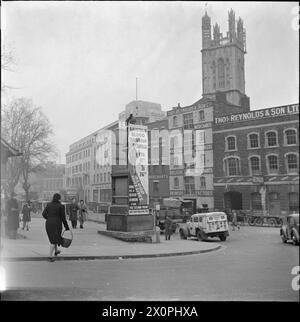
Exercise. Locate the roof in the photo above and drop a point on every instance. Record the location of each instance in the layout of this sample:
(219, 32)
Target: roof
(12, 152)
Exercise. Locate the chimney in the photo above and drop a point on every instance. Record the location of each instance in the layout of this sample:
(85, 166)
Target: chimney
(178, 105)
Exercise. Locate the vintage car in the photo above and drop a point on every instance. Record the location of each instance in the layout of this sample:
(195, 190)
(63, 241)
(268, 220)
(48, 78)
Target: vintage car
(204, 225)
(289, 231)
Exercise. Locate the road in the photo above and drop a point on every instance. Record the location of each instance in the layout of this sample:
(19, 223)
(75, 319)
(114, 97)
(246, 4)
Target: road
(253, 265)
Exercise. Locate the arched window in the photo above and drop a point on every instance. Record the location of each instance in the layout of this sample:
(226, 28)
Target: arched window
(221, 73)
(256, 203)
(227, 73)
(271, 138)
(202, 182)
(201, 115)
(272, 163)
(232, 166)
(293, 201)
(213, 70)
(176, 183)
(290, 136)
(253, 140)
(230, 143)
(189, 185)
(254, 165)
(175, 121)
(292, 162)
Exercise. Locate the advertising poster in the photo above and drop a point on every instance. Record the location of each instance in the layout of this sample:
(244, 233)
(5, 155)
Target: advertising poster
(138, 167)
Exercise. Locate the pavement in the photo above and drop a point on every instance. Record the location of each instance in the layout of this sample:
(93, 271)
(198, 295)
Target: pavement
(88, 244)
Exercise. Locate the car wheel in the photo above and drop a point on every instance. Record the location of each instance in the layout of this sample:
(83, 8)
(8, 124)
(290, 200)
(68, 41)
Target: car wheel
(182, 235)
(284, 240)
(200, 235)
(294, 239)
(222, 237)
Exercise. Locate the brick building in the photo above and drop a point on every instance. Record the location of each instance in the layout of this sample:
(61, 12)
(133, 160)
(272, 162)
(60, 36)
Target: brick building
(256, 160)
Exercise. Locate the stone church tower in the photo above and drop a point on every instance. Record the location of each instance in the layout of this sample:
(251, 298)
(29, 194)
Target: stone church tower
(223, 64)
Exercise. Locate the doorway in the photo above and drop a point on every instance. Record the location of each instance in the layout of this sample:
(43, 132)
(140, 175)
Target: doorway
(233, 200)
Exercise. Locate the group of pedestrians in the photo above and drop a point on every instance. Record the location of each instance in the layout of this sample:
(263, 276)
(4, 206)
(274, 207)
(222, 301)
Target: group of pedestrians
(77, 212)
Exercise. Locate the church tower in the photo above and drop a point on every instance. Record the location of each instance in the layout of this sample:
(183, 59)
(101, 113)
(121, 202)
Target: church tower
(223, 64)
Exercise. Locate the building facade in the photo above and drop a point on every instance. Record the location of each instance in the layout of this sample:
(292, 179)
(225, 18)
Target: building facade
(256, 161)
(191, 152)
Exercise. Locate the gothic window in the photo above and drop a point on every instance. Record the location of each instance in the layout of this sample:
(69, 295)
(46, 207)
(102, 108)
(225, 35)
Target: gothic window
(221, 73)
(227, 73)
(213, 67)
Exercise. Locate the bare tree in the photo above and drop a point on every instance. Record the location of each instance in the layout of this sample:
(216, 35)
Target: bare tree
(8, 62)
(27, 129)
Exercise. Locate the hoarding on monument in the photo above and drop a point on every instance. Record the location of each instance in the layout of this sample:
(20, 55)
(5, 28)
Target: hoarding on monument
(138, 170)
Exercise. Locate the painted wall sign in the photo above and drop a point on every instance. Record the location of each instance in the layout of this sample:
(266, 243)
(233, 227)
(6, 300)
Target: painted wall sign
(259, 114)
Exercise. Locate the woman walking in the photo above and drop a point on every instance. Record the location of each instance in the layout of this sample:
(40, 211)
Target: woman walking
(82, 213)
(73, 213)
(55, 216)
(26, 215)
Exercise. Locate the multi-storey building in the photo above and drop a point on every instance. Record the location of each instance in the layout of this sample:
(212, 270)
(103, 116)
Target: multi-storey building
(88, 166)
(191, 154)
(256, 160)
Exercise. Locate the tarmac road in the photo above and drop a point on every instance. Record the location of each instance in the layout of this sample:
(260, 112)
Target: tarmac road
(253, 265)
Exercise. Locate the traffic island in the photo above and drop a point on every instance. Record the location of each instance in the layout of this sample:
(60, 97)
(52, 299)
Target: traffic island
(149, 236)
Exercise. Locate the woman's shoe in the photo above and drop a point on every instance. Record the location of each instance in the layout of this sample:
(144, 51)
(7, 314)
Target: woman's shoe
(51, 259)
(58, 252)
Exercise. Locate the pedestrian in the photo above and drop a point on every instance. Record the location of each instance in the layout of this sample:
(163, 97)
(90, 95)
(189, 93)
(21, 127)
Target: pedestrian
(168, 227)
(27, 208)
(12, 216)
(73, 213)
(234, 220)
(55, 216)
(82, 213)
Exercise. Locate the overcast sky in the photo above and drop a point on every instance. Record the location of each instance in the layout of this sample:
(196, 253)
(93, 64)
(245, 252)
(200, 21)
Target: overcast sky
(79, 60)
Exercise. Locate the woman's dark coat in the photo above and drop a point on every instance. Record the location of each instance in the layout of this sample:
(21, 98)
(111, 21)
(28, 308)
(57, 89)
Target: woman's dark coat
(73, 210)
(12, 215)
(55, 216)
(26, 213)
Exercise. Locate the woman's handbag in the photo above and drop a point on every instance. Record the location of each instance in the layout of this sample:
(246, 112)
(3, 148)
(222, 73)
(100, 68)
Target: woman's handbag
(66, 238)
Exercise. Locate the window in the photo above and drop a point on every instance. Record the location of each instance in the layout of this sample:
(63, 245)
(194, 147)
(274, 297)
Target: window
(97, 178)
(188, 122)
(221, 73)
(292, 162)
(202, 182)
(293, 201)
(273, 163)
(156, 187)
(104, 177)
(232, 166)
(273, 196)
(175, 121)
(176, 183)
(271, 138)
(201, 116)
(256, 201)
(230, 143)
(189, 185)
(213, 69)
(253, 140)
(290, 136)
(254, 165)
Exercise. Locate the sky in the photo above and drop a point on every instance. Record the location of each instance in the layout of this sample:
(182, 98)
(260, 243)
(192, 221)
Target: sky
(79, 60)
